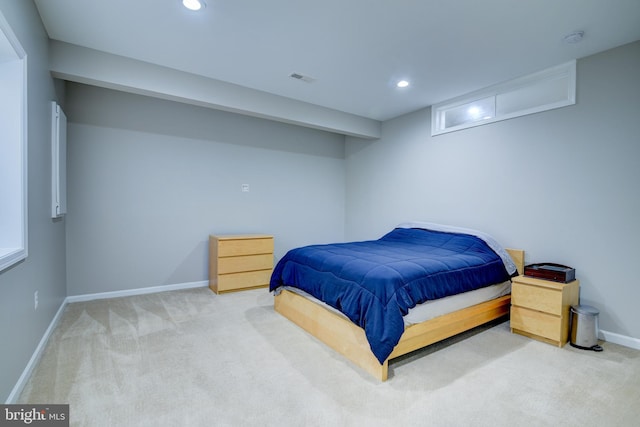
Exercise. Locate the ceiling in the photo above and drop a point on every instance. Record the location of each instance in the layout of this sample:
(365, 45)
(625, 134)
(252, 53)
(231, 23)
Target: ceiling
(356, 50)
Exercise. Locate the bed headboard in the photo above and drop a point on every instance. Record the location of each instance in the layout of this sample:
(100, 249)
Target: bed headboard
(517, 255)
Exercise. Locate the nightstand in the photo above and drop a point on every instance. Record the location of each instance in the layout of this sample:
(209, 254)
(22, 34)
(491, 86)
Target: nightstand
(239, 262)
(540, 308)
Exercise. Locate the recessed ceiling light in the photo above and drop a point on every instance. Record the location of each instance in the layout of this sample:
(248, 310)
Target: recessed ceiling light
(574, 37)
(193, 4)
(402, 83)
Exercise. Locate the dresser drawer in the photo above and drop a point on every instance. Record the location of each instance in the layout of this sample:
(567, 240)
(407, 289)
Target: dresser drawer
(238, 264)
(237, 247)
(537, 298)
(538, 323)
(246, 280)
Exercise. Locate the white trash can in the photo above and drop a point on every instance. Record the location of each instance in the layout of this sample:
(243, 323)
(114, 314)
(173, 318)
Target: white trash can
(584, 327)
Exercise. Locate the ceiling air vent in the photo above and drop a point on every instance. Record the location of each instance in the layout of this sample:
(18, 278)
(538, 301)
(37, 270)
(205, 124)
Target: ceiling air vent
(302, 77)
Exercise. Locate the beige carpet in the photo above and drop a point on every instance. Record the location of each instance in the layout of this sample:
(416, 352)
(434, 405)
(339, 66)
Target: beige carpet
(193, 358)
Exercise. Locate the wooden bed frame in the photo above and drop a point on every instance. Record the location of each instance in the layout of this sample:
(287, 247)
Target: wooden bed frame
(349, 339)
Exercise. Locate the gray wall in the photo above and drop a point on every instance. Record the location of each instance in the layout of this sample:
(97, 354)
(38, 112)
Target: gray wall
(562, 184)
(150, 179)
(22, 327)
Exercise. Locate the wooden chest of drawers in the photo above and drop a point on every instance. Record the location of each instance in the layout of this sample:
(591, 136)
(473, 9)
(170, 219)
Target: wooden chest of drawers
(540, 308)
(240, 262)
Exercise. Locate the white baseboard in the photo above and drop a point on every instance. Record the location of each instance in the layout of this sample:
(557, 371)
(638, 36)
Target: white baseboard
(139, 291)
(35, 357)
(620, 339)
(17, 389)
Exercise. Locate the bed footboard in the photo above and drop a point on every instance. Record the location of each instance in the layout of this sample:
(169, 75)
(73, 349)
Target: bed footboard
(335, 331)
(349, 340)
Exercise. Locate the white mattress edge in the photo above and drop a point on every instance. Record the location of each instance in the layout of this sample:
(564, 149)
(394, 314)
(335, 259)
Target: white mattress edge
(434, 308)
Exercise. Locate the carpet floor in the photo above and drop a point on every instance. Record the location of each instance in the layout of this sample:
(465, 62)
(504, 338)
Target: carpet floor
(194, 358)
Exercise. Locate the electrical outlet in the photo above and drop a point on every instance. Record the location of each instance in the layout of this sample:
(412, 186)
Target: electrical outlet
(35, 300)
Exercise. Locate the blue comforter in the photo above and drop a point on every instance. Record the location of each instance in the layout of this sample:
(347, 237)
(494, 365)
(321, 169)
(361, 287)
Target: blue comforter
(375, 283)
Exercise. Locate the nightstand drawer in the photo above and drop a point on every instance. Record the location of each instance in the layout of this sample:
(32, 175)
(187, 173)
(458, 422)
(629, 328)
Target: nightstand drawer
(537, 298)
(237, 264)
(247, 280)
(537, 323)
(245, 247)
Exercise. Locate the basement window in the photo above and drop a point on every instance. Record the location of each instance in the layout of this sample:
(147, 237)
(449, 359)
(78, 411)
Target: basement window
(13, 148)
(545, 90)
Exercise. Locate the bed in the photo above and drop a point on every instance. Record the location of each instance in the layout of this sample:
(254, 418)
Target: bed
(355, 296)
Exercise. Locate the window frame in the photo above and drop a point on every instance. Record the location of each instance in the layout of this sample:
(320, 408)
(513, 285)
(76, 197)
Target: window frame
(13, 162)
(564, 71)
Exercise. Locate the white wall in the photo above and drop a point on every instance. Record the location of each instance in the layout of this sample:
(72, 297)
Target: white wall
(149, 180)
(562, 184)
(21, 326)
